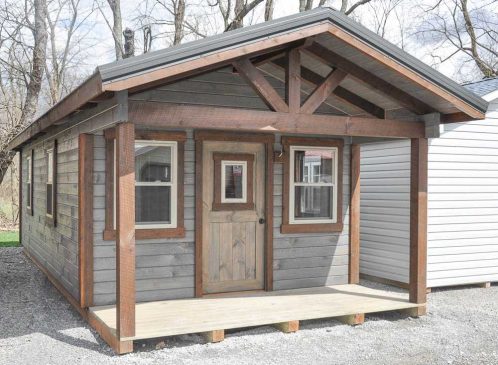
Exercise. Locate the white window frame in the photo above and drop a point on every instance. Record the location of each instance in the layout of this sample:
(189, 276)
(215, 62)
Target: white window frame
(173, 183)
(225, 163)
(333, 184)
(50, 174)
(29, 181)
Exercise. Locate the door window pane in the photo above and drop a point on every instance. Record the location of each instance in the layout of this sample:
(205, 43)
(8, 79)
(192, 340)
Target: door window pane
(152, 205)
(313, 165)
(234, 175)
(312, 202)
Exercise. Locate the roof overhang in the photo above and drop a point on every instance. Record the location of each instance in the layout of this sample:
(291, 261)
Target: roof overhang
(175, 63)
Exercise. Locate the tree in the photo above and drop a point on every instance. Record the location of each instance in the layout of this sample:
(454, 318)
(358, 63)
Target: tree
(64, 47)
(305, 5)
(25, 81)
(464, 32)
(269, 7)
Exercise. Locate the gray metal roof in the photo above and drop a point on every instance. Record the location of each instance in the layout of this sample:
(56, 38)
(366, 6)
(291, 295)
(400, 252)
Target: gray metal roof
(483, 87)
(195, 49)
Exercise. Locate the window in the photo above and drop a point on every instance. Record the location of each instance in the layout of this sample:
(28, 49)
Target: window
(50, 191)
(29, 184)
(233, 181)
(155, 184)
(158, 185)
(312, 192)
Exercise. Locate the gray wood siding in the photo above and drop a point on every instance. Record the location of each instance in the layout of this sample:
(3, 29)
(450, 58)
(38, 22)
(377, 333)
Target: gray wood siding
(308, 260)
(164, 267)
(462, 206)
(219, 88)
(57, 248)
(385, 210)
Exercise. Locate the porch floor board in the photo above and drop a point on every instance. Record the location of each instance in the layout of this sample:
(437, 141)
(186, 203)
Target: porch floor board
(238, 310)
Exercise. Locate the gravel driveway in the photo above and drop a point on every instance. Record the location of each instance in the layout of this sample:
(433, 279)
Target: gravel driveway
(37, 326)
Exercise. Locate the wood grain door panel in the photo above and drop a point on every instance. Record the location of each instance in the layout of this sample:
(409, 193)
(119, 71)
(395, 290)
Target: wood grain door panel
(233, 247)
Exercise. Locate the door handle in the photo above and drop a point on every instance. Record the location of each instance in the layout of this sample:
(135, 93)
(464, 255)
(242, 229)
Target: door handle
(262, 221)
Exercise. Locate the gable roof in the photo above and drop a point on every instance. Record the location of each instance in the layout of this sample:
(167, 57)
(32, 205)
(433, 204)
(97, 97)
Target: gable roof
(203, 54)
(484, 88)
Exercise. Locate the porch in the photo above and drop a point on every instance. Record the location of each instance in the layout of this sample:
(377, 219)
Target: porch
(284, 308)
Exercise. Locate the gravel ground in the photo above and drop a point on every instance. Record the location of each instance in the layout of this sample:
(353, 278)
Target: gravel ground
(37, 326)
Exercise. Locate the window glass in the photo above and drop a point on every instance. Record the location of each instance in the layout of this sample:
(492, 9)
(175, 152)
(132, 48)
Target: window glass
(155, 184)
(315, 165)
(312, 202)
(153, 205)
(49, 199)
(234, 175)
(30, 171)
(50, 166)
(152, 163)
(313, 185)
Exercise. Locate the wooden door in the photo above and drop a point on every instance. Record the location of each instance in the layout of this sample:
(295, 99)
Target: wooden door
(233, 196)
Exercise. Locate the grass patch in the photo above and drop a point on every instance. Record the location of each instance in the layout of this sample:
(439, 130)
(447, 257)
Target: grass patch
(9, 239)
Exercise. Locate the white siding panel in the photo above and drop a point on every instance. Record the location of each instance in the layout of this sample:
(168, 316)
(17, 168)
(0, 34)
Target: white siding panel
(385, 209)
(463, 206)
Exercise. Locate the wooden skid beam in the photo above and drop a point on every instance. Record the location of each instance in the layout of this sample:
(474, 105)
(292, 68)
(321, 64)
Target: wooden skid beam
(484, 285)
(85, 218)
(109, 336)
(418, 220)
(323, 91)
(125, 230)
(403, 98)
(354, 217)
(287, 327)
(353, 319)
(414, 312)
(261, 86)
(214, 336)
(192, 116)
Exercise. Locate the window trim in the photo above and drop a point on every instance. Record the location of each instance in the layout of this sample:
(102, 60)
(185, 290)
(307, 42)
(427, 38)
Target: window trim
(290, 226)
(173, 183)
(150, 232)
(29, 182)
(51, 218)
(218, 183)
(293, 184)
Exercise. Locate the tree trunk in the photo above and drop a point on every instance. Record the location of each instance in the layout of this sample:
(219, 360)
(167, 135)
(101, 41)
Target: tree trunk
(179, 18)
(117, 27)
(269, 6)
(34, 85)
(129, 43)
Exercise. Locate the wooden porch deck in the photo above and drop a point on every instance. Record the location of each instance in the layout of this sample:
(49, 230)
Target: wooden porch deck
(176, 317)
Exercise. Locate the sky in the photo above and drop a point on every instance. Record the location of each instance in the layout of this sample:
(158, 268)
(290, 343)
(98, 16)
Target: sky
(98, 46)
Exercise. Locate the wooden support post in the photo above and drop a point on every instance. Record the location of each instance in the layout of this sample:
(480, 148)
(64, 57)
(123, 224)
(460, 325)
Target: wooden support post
(287, 327)
(85, 218)
(214, 336)
(418, 221)
(354, 217)
(125, 230)
(20, 204)
(293, 80)
(353, 319)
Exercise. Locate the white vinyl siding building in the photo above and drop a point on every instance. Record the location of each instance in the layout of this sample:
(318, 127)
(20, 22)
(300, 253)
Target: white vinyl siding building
(462, 204)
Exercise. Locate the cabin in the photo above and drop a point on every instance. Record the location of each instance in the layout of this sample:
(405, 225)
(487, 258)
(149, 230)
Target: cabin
(462, 226)
(216, 184)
